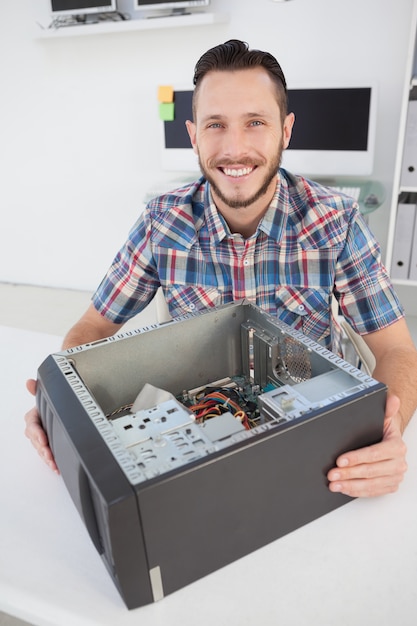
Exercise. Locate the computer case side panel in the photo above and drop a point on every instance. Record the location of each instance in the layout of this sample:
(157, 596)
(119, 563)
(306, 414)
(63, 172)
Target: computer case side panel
(161, 524)
(100, 491)
(218, 511)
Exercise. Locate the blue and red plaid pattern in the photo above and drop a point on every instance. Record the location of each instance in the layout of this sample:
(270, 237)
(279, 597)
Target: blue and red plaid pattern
(310, 244)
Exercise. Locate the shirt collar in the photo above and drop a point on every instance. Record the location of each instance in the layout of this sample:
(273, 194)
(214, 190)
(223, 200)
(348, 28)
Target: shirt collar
(272, 224)
(274, 221)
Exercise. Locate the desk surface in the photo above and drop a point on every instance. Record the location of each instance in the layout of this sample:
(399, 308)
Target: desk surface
(356, 565)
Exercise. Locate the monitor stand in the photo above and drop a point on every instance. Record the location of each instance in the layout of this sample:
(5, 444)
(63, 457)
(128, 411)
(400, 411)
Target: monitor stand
(171, 13)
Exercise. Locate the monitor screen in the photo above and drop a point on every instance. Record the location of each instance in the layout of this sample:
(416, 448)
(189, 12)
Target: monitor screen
(81, 7)
(152, 5)
(334, 131)
(333, 134)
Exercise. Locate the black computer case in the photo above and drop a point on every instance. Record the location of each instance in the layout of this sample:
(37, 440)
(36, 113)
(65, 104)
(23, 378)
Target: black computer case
(160, 520)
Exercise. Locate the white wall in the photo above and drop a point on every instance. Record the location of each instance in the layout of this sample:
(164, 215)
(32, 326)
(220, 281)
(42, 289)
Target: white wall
(78, 117)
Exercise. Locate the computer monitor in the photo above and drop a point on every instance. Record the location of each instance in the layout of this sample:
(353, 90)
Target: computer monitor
(81, 7)
(173, 6)
(334, 132)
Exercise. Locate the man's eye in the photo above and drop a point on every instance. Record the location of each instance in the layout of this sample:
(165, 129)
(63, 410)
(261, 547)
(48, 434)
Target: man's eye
(215, 125)
(256, 123)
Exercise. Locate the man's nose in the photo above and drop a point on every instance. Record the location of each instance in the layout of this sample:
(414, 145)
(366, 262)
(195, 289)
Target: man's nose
(236, 143)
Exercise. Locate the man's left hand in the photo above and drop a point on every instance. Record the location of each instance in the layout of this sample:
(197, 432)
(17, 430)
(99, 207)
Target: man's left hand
(374, 470)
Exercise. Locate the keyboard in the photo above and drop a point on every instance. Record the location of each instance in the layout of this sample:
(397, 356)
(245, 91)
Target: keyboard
(352, 192)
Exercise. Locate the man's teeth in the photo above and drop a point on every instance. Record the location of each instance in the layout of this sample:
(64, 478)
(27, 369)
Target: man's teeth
(236, 173)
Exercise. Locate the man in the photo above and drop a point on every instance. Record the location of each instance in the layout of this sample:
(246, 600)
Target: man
(244, 231)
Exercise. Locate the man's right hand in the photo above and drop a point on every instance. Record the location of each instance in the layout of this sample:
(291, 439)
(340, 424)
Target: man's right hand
(36, 433)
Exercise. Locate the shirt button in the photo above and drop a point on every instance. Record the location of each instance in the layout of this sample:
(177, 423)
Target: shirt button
(192, 306)
(246, 262)
(301, 307)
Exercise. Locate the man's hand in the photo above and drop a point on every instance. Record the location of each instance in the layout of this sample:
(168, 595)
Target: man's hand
(375, 470)
(35, 432)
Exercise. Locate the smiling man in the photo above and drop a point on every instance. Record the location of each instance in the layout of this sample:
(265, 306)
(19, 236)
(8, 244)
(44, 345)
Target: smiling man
(250, 229)
(240, 130)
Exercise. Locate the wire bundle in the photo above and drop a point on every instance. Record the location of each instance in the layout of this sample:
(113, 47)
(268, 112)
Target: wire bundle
(216, 402)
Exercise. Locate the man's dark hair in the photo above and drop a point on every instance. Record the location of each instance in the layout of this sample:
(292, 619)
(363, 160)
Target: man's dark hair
(236, 55)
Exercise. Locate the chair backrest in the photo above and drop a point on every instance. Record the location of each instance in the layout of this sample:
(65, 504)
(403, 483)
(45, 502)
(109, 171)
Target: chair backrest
(162, 311)
(365, 359)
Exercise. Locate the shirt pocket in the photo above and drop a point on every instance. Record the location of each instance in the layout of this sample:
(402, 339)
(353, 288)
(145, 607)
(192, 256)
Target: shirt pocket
(183, 299)
(307, 310)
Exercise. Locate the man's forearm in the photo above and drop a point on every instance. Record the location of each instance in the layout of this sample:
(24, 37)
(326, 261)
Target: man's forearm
(398, 370)
(81, 333)
(91, 327)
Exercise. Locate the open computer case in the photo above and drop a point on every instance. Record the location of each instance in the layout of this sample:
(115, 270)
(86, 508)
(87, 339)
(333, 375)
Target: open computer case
(187, 445)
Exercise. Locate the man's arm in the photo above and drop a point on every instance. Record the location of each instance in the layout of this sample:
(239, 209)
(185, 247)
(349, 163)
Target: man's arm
(91, 327)
(379, 469)
(396, 365)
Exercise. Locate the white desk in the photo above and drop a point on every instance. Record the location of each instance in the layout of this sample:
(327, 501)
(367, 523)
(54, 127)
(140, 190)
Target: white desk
(354, 566)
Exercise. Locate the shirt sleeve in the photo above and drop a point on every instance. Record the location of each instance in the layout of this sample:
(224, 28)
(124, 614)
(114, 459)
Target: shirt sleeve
(132, 280)
(364, 290)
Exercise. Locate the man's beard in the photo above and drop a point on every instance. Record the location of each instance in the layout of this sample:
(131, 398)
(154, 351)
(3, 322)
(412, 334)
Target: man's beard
(240, 203)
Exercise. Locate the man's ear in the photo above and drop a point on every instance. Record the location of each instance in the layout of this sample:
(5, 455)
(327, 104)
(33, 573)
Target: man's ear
(287, 129)
(192, 132)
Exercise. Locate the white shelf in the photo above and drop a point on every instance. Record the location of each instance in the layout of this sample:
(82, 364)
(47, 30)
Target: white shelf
(124, 26)
(404, 281)
(399, 188)
(404, 189)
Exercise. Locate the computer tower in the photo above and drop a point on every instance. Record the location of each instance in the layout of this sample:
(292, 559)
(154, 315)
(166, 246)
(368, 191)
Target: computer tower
(169, 494)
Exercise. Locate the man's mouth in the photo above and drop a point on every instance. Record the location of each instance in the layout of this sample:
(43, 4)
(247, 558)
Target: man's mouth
(237, 172)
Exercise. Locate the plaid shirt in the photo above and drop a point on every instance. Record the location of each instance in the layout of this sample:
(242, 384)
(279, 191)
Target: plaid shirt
(310, 244)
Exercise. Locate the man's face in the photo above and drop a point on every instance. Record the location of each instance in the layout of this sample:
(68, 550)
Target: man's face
(238, 135)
